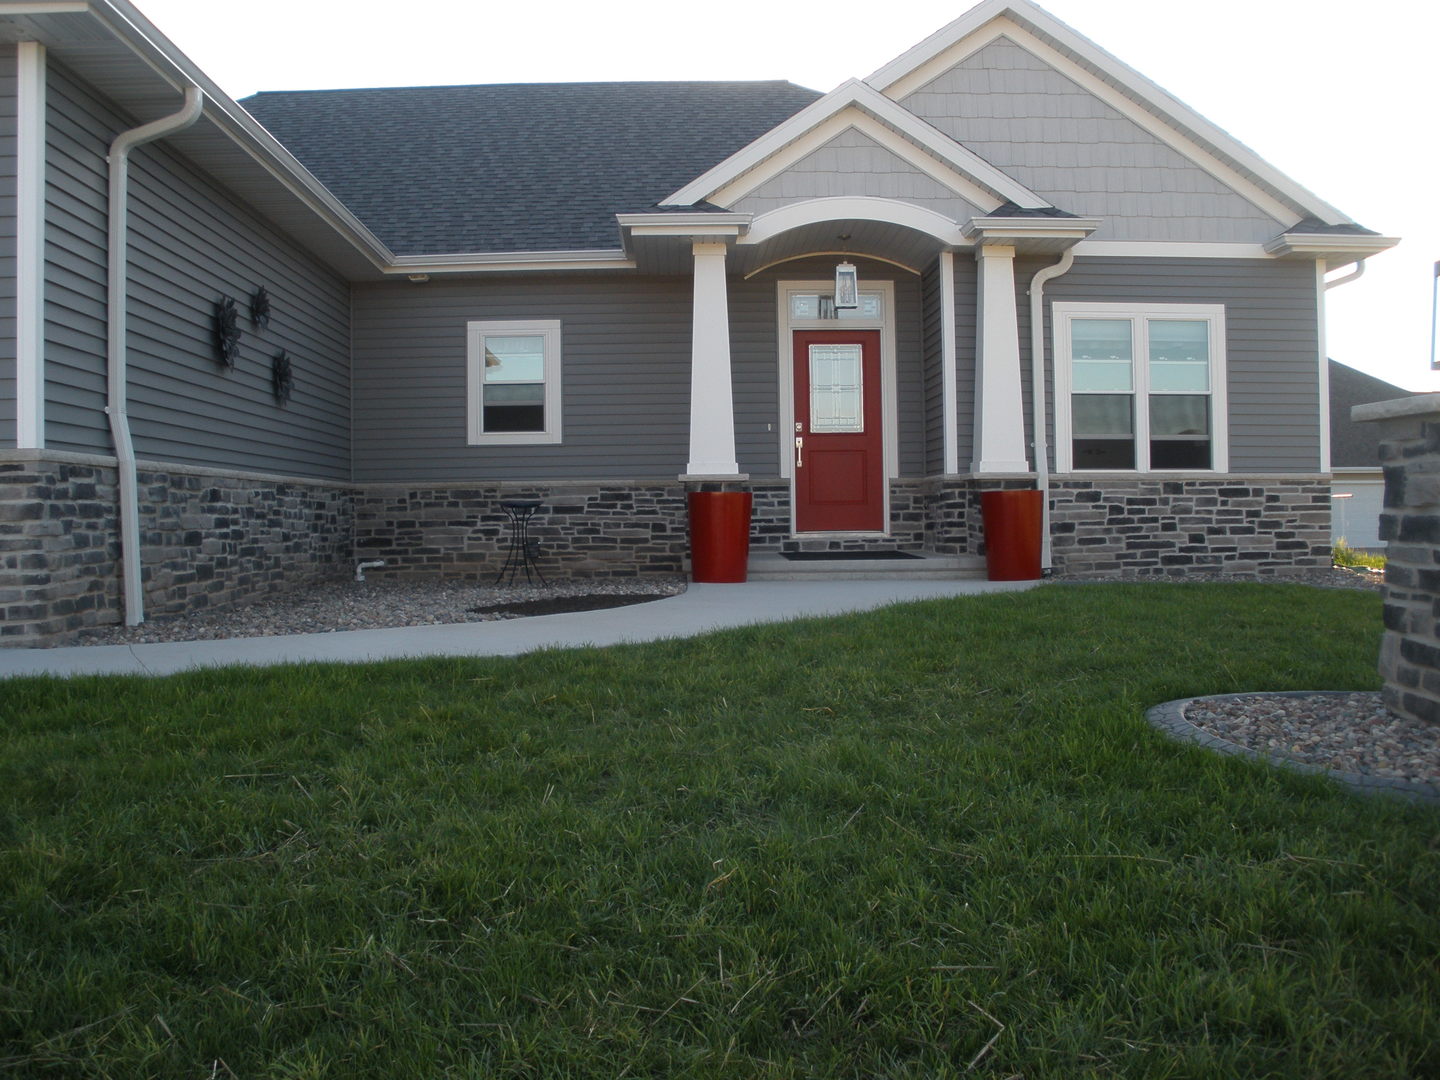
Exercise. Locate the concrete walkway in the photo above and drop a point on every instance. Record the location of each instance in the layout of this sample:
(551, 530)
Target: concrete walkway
(700, 609)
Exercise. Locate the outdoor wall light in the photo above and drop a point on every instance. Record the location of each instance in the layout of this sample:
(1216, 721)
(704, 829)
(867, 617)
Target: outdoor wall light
(847, 286)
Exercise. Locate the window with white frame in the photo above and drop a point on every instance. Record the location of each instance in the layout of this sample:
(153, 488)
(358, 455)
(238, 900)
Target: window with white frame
(513, 382)
(1140, 387)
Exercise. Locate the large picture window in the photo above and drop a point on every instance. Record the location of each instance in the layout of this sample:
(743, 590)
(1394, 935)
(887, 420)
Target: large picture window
(1140, 387)
(513, 377)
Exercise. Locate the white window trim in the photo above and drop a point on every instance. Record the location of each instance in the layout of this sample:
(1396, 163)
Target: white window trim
(475, 333)
(1062, 314)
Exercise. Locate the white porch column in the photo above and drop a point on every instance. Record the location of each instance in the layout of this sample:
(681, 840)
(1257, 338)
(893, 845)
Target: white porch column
(712, 409)
(999, 404)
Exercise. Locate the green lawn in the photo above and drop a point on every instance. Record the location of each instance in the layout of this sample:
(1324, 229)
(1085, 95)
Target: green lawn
(890, 845)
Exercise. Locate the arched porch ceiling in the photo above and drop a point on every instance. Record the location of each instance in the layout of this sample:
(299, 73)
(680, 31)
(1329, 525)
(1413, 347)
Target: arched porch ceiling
(901, 233)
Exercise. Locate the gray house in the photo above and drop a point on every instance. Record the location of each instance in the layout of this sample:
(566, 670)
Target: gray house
(1358, 482)
(243, 344)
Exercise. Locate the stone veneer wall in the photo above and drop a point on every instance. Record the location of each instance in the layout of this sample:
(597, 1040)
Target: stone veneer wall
(214, 539)
(770, 520)
(209, 539)
(581, 530)
(1247, 526)
(1410, 526)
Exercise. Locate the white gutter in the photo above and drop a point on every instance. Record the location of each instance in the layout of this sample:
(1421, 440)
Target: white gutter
(117, 299)
(1037, 393)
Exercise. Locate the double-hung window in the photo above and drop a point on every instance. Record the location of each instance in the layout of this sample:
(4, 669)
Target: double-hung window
(1140, 387)
(513, 382)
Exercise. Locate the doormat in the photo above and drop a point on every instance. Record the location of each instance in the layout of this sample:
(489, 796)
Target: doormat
(836, 556)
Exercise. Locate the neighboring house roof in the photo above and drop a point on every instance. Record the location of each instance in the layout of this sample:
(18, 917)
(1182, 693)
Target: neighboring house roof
(1355, 445)
(523, 167)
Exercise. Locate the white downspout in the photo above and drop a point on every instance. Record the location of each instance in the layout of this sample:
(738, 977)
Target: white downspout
(117, 299)
(1037, 394)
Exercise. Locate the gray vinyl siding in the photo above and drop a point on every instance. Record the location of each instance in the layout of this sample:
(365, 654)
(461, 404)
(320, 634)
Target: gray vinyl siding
(1271, 349)
(855, 164)
(1037, 125)
(190, 244)
(754, 351)
(754, 364)
(625, 378)
(7, 245)
(967, 284)
(932, 359)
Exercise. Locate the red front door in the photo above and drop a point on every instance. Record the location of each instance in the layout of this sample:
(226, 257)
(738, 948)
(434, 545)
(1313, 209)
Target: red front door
(838, 451)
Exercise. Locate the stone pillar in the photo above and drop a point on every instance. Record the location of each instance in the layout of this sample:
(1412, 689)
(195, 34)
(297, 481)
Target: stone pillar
(1410, 527)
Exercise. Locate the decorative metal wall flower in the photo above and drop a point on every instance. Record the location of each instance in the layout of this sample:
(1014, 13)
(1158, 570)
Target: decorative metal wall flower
(260, 308)
(227, 333)
(282, 379)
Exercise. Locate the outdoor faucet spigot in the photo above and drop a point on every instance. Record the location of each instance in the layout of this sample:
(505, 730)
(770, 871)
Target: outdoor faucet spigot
(360, 568)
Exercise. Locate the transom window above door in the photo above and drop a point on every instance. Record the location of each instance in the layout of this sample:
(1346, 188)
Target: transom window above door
(1140, 388)
(805, 306)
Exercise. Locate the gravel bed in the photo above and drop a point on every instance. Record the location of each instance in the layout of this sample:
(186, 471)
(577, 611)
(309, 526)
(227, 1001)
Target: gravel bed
(371, 605)
(1351, 733)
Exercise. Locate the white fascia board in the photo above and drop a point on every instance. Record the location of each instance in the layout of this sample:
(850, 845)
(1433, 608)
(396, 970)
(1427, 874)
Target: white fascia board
(1116, 83)
(700, 232)
(479, 262)
(719, 183)
(938, 42)
(1310, 245)
(1166, 249)
(1005, 230)
(129, 26)
(631, 221)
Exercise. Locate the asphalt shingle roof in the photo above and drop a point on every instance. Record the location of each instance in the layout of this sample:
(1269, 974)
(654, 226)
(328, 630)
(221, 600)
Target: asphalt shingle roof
(1352, 444)
(522, 167)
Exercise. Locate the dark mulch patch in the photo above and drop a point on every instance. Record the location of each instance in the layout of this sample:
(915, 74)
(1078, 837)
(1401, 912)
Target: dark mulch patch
(559, 605)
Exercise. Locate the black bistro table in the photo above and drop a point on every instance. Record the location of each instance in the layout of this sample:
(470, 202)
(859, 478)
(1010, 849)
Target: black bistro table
(521, 555)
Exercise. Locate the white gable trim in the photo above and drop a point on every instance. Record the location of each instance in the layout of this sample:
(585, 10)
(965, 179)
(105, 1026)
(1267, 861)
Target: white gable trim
(1137, 98)
(852, 119)
(874, 115)
(861, 207)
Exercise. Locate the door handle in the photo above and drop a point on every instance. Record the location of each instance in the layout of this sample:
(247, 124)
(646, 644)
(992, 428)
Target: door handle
(799, 452)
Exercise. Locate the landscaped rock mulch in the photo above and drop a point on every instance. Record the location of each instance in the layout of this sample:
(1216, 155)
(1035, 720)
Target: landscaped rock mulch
(378, 604)
(1350, 732)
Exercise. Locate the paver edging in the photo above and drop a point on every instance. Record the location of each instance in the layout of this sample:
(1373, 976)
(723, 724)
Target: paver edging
(1169, 718)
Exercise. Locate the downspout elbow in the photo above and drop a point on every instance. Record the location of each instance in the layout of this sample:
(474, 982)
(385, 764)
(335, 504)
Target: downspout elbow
(1359, 270)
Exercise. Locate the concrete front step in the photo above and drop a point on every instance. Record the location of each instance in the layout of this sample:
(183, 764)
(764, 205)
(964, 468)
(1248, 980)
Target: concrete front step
(929, 567)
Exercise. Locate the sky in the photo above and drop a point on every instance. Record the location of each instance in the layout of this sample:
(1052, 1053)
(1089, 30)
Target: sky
(1339, 96)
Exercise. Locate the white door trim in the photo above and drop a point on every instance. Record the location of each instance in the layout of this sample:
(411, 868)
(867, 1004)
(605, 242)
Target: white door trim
(889, 393)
